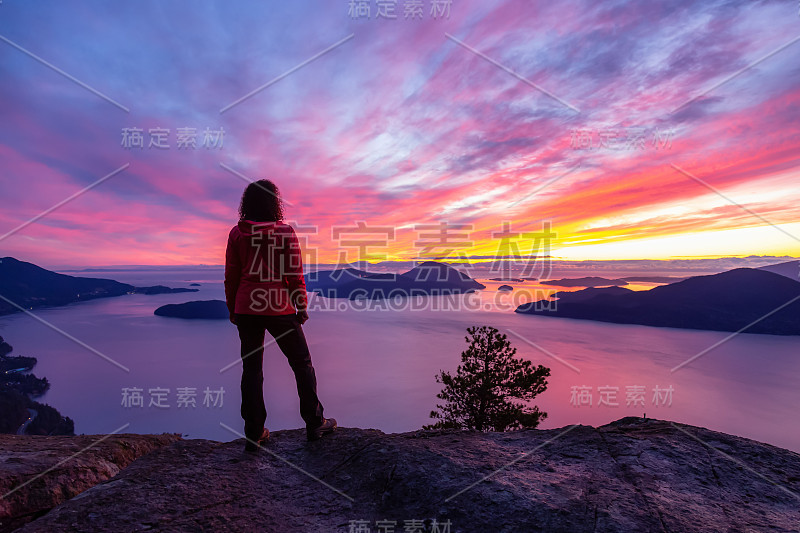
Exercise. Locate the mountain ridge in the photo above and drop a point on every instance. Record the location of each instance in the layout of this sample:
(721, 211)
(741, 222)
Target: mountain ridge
(428, 278)
(752, 300)
(26, 285)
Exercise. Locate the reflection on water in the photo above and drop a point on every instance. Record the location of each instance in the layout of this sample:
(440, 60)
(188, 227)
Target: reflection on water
(376, 367)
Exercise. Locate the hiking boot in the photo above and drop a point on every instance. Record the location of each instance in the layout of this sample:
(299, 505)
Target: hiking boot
(328, 426)
(252, 447)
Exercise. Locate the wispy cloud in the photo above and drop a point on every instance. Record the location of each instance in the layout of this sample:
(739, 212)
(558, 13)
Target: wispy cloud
(400, 125)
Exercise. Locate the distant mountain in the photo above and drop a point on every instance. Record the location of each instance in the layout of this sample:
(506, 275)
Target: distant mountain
(591, 281)
(31, 287)
(323, 280)
(789, 269)
(588, 294)
(207, 309)
(728, 301)
(653, 279)
(428, 278)
(160, 289)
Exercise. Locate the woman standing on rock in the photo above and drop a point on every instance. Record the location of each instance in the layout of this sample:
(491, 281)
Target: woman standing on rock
(265, 291)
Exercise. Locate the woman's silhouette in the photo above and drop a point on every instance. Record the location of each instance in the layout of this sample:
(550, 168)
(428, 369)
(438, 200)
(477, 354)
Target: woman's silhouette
(265, 291)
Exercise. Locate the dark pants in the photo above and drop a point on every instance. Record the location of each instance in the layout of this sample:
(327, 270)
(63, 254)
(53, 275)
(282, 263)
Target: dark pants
(288, 332)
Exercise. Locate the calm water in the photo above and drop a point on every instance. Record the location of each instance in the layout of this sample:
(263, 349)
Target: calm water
(376, 369)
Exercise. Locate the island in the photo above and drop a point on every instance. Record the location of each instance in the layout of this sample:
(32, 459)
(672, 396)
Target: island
(744, 299)
(428, 278)
(587, 294)
(199, 309)
(159, 289)
(590, 281)
(24, 286)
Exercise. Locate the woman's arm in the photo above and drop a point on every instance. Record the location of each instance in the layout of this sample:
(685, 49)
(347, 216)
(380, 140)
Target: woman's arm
(293, 272)
(233, 270)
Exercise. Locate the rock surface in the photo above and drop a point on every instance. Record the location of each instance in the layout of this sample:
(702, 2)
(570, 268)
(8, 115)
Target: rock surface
(40, 472)
(629, 476)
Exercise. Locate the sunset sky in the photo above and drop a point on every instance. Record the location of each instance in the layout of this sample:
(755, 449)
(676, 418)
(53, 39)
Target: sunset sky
(638, 130)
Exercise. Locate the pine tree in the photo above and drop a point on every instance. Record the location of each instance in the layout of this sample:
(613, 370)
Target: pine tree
(481, 394)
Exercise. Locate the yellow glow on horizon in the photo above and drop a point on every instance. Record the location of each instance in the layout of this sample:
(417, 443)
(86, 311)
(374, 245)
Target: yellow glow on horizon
(768, 240)
(737, 242)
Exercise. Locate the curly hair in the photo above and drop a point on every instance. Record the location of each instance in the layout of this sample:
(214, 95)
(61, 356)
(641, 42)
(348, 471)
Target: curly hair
(261, 202)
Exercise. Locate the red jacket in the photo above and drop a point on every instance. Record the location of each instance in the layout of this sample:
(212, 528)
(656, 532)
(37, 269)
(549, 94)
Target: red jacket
(264, 269)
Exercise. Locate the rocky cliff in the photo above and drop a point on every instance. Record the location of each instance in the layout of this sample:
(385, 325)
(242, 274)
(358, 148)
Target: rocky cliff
(632, 475)
(39, 472)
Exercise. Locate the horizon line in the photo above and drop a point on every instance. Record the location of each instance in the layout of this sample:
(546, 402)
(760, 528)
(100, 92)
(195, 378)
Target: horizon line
(483, 260)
